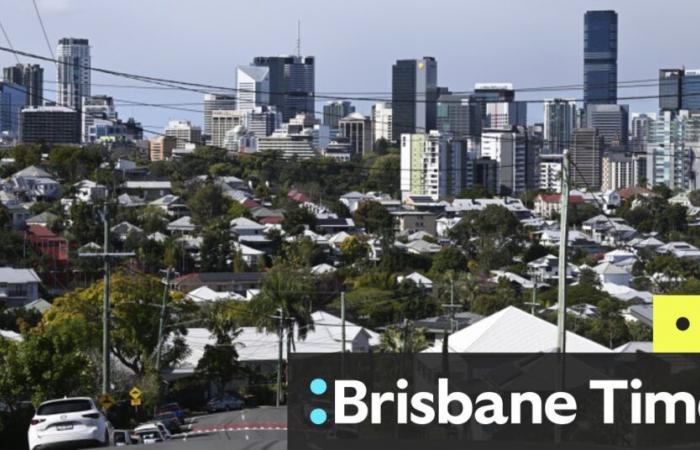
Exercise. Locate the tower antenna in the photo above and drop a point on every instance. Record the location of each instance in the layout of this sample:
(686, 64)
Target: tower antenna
(299, 38)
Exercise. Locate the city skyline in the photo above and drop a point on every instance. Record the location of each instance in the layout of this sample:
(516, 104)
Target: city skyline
(343, 63)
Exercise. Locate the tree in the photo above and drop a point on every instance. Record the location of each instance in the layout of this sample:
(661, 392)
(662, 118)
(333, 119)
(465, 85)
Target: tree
(449, 259)
(73, 164)
(26, 155)
(403, 339)
(207, 203)
(216, 247)
(288, 292)
(86, 225)
(476, 191)
(154, 219)
(296, 218)
(5, 218)
(383, 174)
(300, 252)
(219, 363)
(353, 249)
(134, 301)
(374, 218)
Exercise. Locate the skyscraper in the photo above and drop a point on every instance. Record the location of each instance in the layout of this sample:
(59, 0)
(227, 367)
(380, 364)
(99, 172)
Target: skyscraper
(73, 57)
(498, 106)
(97, 108)
(358, 129)
(49, 125)
(252, 87)
(382, 121)
(292, 83)
(214, 102)
(459, 115)
(611, 121)
(586, 158)
(690, 90)
(559, 123)
(336, 110)
(31, 76)
(509, 149)
(431, 164)
(414, 96)
(184, 132)
(13, 97)
(670, 89)
(600, 58)
(673, 144)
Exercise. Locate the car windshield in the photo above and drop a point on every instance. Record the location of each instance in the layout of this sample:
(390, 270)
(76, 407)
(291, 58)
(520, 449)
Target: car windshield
(65, 406)
(164, 416)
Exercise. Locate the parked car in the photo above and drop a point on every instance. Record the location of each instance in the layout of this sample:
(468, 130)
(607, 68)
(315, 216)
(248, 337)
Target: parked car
(68, 421)
(170, 420)
(149, 433)
(173, 408)
(121, 438)
(226, 403)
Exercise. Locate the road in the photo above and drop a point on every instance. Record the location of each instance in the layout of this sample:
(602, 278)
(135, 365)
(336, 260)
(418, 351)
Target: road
(263, 428)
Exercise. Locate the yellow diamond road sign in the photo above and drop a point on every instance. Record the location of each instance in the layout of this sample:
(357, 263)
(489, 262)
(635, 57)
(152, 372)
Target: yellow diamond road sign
(106, 401)
(135, 393)
(135, 402)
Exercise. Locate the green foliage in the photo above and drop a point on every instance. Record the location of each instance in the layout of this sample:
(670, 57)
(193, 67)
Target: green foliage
(449, 259)
(73, 164)
(219, 363)
(135, 321)
(295, 219)
(655, 214)
(207, 204)
(353, 249)
(86, 225)
(403, 339)
(5, 218)
(374, 218)
(26, 155)
(476, 191)
(216, 247)
(383, 174)
(487, 302)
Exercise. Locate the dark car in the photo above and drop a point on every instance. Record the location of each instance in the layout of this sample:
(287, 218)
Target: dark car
(172, 408)
(170, 420)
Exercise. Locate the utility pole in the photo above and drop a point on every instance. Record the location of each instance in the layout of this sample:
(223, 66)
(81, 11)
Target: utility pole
(451, 307)
(107, 258)
(533, 302)
(161, 324)
(280, 332)
(342, 320)
(563, 243)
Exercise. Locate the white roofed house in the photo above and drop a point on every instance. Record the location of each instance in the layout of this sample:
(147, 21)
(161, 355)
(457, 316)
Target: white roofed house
(353, 199)
(610, 273)
(122, 230)
(171, 204)
(512, 330)
(419, 279)
(679, 249)
(260, 347)
(242, 226)
(35, 184)
(546, 269)
(250, 256)
(89, 191)
(183, 225)
(18, 287)
(148, 190)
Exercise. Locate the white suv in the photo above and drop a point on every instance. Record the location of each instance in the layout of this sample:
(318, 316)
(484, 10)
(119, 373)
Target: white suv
(68, 420)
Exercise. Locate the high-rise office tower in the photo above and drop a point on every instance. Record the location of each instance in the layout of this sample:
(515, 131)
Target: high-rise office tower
(31, 76)
(358, 129)
(223, 121)
(292, 83)
(252, 87)
(622, 170)
(679, 89)
(414, 96)
(382, 121)
(263, 121)
(586, 158)
(639, 130)
(498, 106)
(184, 132)
(431, 164)
(334, 111)
(73, 57)
(509, 149)
(161, 148)
(459, 115)
(216, 102)
(49, 125)
(611, 121)
(97, 108)
(600, 58)
(673, 145)
(13, 97)
(670, 89)
(559, 123)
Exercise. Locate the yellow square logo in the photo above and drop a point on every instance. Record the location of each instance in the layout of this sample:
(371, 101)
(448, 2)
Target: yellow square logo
(676, 323)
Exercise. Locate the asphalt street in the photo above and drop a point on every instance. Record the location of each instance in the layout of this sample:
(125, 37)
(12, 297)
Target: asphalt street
(263, 428)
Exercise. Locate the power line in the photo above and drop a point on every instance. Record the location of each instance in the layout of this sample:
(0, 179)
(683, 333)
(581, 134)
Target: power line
(7, 38)
(43, 29)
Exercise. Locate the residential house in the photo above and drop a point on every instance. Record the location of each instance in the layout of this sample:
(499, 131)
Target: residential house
(238, 282)
(183, 225)
(610, 273)
(89, 191)
(679, 249)
(547, 205)
(407, 222)
(148, 190)
(419, 279)
(35, 184)
(122, 230)
(48, 244)
(18, 287)
(546, 269)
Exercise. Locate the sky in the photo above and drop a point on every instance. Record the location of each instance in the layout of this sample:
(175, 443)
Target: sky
(530, 43)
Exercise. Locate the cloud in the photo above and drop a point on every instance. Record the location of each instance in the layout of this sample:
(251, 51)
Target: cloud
(56, 6)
